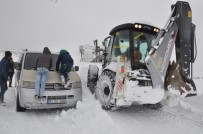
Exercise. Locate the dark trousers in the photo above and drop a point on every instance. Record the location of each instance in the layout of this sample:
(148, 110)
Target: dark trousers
(3, 88)
(65, 69)
(10, 79)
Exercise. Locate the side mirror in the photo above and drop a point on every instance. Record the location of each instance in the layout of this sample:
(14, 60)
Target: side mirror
(106, 41)
(17, 65)
(103, 43)
(76, 68)
(105, 53)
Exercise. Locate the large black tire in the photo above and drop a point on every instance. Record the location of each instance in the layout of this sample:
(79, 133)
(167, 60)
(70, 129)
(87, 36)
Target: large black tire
(18, 107)
(92, 78)
(104, 91)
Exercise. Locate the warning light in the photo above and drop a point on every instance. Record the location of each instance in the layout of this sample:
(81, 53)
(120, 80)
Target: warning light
(122, 69)
(156, 30)
(136, 25)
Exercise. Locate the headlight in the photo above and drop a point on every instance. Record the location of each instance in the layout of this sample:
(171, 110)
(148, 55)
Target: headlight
(77, 85)
(28, 84)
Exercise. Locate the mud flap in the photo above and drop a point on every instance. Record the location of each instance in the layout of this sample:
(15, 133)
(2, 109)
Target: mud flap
(177, 83)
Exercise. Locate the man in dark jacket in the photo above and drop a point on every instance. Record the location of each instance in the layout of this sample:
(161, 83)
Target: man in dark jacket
(4, 69)
(43, 65)
(66, 62)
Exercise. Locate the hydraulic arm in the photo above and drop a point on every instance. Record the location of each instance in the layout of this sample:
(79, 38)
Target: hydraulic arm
(179, 31)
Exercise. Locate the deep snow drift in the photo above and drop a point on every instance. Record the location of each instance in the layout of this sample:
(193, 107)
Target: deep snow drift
(177, 116)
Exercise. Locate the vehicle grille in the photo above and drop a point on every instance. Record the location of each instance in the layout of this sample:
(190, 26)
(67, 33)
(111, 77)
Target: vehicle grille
(55, 86)
(57, 97)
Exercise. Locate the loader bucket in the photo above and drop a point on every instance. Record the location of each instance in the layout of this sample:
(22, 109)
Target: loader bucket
(177, 82)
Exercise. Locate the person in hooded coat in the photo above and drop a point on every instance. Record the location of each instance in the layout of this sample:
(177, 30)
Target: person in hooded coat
(43, 65)
(4, 70)
(66, 62)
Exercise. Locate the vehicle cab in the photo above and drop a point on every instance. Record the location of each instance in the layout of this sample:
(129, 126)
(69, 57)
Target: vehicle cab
(131, 41)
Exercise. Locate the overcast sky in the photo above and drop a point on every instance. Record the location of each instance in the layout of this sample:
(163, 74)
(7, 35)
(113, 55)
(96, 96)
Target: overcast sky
(34, 24)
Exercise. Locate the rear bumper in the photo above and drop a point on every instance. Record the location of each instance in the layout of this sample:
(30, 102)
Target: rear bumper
(141, 95)
(26, 98)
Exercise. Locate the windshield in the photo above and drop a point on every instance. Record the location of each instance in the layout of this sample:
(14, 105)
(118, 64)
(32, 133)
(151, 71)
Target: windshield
(31, 59)
(141, 45)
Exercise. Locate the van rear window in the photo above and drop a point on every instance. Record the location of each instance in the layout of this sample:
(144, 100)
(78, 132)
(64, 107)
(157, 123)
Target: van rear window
(31, 59)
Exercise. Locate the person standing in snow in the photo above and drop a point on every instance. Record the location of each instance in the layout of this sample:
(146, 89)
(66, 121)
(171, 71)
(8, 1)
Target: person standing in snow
(11, 72)
(4, 70)
(43, 65)
(66, 62)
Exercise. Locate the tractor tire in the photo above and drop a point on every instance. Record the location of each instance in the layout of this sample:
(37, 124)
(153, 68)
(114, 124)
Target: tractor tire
(92, 78)
(104, 91)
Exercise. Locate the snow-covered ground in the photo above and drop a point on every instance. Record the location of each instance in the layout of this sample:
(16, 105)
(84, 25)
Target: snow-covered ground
(184, 116)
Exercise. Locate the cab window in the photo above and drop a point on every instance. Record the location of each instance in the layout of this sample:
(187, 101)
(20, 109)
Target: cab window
(141, 45)
(121, 45)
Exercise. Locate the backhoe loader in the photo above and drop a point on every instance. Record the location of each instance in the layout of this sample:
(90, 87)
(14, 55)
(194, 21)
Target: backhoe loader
(137, 66)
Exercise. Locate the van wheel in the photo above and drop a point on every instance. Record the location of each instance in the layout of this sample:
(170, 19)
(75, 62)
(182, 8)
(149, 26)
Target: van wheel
(18, 107)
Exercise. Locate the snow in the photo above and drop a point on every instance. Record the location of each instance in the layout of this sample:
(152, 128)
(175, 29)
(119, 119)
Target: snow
(177, 116)
(143, 94)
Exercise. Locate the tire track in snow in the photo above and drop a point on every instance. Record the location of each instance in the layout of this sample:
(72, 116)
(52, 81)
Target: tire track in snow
(148, 119)
(197, 121)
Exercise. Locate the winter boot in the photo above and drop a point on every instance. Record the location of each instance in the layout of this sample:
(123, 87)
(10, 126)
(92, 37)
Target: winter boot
(62, 80)
(36, 97)
(67, 84)
(44, 98)
(2, 103)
